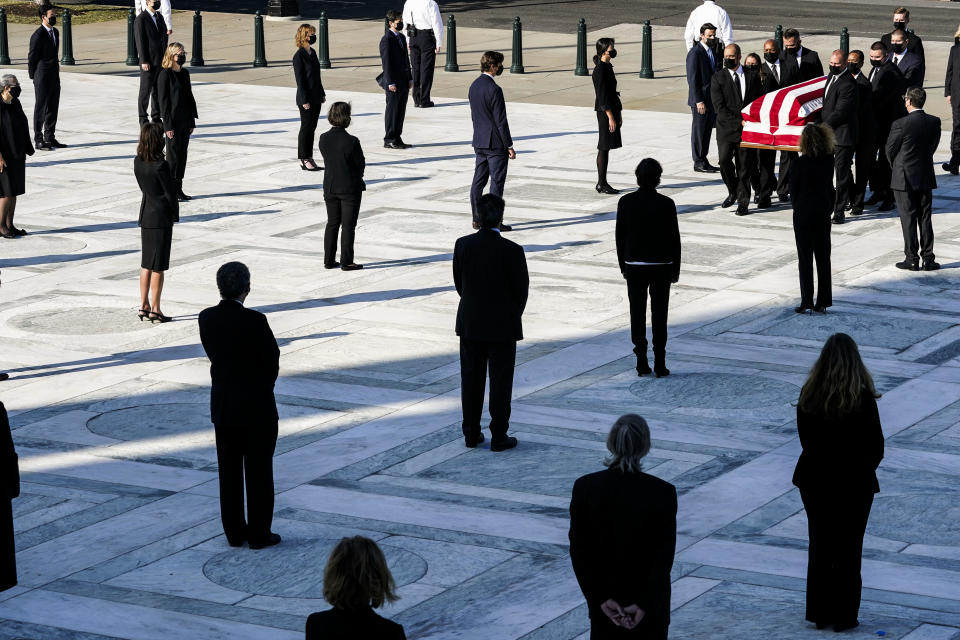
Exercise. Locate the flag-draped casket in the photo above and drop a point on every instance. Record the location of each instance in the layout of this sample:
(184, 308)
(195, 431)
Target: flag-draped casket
(776, 120)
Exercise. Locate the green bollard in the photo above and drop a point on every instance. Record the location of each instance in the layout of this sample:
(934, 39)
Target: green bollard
(844, 41)
(66, 39)
(778, 37)
(323, 42)
(4, 46)
(451, 45)
(581, 68)
(259, 48)
(516, 66)
(196, 58)
(646, 62)
(132, 60)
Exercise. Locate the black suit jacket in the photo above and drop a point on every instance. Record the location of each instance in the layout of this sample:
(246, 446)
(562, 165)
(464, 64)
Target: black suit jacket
(913, 69)
(840, 453)
(605, 88)
(914, 42)
(809, 68)
(395, 61)
(727, 102)
(159, 207)
(343, 624)
(811, 190)
(699, 74)
(951, 86)
(8, 457)
(151, 40)
(623, 531)
(866, 118)
(647, 230)
(43, 54)
(488, 110)
(15, 144)
(840, 108)
(910, 147)
(306, 71)
(178, 109)
(770, 82)
(888, 89)
(343, 162)
(490, 274)
(244, 363)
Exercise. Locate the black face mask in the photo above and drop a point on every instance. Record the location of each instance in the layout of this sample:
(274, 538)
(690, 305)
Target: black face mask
(854, 67)
(791, 51)
(156, 6)
(400, 26)
(771, 57)
(15, 91)
(751, 68)
(182, 59)
(52, 20)
(900, 25)
(730, 63)
(711, 42)
(613, 53)
(313, 39)
(835, 70)
(876, 63)
(899, 48)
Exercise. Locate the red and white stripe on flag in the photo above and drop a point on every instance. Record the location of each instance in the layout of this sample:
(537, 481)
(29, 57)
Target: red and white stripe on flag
(777, 119)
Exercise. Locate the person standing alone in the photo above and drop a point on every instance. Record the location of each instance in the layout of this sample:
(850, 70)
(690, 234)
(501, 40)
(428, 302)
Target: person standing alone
(178, 108)
(492, 143)
(150, 33)
(43, 67)
(395, 80)
(425, 26)
(608, 108)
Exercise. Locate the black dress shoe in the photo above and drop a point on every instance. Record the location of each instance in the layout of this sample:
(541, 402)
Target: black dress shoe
(473, 442)
(331, 265)
(56, 144)
(843, 626)
(764, 204)
(182, 197)
(643, 367)
(402, 144)
(712, 169)
(949, 168)
(502, 445)
(820, 309)
(394, 145)
(239, 542)
(19, 232)
(426, 105)
(784, 197)
(931, 266)
(742, 210)
(822, 625)
(660, 370)
(856, 211)
(803, 308)
(699, 168)
(756, 198)
(505, 227)
(838, 218)
(729, 202)
(908, 265)
(272, 539)
(607, 189)
(875, 197)
(43, 146)
(887, 205)
(353, 266)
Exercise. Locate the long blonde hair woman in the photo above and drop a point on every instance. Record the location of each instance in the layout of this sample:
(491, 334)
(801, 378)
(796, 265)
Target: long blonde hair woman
(178, 109)
(310, 93)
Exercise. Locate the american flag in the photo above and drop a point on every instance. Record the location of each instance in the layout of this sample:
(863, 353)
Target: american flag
(776, 120)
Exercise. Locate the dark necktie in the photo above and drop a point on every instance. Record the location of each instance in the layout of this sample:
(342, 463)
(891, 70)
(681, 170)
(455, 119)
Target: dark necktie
(829, 84)
(53, 37)
(736, 81)
(776, 72)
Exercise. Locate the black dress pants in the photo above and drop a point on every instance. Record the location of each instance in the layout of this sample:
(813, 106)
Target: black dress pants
(813, 242)
(343, 209)
(245, 456)
(476, 356)
(837, 522)
(783, 178)
(736, 166)
(955, 135)
(843, 163)
(148, 95)
(8, 555)
(177, 154)
(766, 182)
(491, 164)
(881, 174)
(700, 131)
(395, 113)
(655, 279)
(916, 212)
(863, 165)
(46, 88)
(308, 127)
(423, 57)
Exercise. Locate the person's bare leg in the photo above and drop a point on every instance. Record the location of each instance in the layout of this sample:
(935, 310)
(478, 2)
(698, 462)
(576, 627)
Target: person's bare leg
(145, 289)
(11, 207)
(4, 221)
(156, 288)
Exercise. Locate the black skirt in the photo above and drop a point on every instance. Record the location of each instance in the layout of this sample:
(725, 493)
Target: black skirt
(608, 140)
(156, 248)
(13, 180)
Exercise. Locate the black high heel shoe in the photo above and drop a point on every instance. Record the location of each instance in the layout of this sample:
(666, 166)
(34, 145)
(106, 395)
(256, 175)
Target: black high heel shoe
(155, 316)
(307, 164)
(143, 313)
(607, 189)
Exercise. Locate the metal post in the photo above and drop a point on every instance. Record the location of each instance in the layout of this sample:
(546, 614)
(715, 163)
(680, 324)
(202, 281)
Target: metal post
(778, 37)
(451, 45)
(132, 60)
(323, 42)
(66, 39)
(646, 62)
(845, 41)
(259, 49)
(581, 68)
(196, 58)
(516, 65)
(4, 45)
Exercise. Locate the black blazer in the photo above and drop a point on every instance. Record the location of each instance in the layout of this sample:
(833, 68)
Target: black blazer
(811, 189)
(647, 230)
(344, 624)
(699, 74)
(244, 363)
(910, 147)
(178, 109)
(43, 54)
(727, 102)
(343, 162)
(489, 114)
(951, 85)
(840, 453)
(159, 207)
(914, 42)
(151, 40)
(605, 88)
(888, 89)
(623, 532)
(866, 118)
(15, 144)
(306, 70)
(913, 69)
(840, 108)
(809, 68)
(8, 457)
(770, 82)
(490, 274)
(395, 61)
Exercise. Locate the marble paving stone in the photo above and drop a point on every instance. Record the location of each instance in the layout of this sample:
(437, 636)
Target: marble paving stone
(933, 632)
(881, 331)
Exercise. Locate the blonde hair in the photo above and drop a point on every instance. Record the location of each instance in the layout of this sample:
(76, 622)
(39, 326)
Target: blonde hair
(628, 442)
(837, 380)
(304, 32)
(357, 575)
(170, 55)
(817, 140)
(957, 34)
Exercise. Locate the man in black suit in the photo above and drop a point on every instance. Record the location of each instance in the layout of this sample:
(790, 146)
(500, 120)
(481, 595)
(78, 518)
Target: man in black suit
(43, 67)
(244, 362)
(910, 64)
(888, 88)
(731, 90)
(150, 33)
(901, 18)
(702, 63)
(866, 129)
(767, 180)
(913, 141)
(951, 89)
(840, 106)
(799, 63)
(492, 142)
(490, 274)
(396, 80)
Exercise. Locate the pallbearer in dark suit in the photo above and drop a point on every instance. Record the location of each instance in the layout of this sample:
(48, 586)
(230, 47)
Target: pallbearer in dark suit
(9, 490)
(840, 112)
(490, 274)
(396, 80)
(901, 18)
(910, 64)
(43, 67)
(888, 87)
(14, 148)
(773, 79)
(178, 110)
(866, 131)
(702, 63)
(623, 535)
(150, 33)
(244, 363)
(913, 141)
(159, 209)
(425, 27)
(951, 89)
(608, 108)
(310, 93)
(342, 187)
(799, 64)
(492, 143)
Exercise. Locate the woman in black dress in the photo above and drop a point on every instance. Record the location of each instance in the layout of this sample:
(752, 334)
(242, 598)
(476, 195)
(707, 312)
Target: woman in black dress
(178, 110)
(310, 94)
(15, 146)
(159, 209)
(608, 108)
(839, 428)
(9, 490)
(343, 187)
(812, 195)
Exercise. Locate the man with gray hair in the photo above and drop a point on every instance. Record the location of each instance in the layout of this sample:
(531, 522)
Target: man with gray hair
(244, 362)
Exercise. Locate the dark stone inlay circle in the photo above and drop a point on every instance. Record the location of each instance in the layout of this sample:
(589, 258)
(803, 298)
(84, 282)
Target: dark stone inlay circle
(916, 518)
(81, 321)
(714, 391)
(294, 568)
(155, 421)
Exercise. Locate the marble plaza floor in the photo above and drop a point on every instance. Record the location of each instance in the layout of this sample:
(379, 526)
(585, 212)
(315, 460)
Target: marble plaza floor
(118, 531)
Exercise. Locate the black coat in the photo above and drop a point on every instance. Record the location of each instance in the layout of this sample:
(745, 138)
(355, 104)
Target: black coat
(9, 489)
(490, 274)
(647, 230)
(43, 54)
(727, 102)
(913, 69)
(809, 68)
(840, 109)
(914, 42)
(244, 363)
(8, 455)
(343, 162)
(159, 207)
(811, 189)
(151, 40)
(866, 117)
(343, 624)
(623, 531)
(770, 82)
(306, 71)
(395, 61)
(605, 89)
(15, 143)
(951, 85)
(840, 453)
(888, 89)
(178, 109)
(699, 74)
(910, 147)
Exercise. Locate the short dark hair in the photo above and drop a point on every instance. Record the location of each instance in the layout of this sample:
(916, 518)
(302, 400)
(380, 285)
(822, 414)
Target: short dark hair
(790, 33)
(917, 96)
(859, 54)
(233, 280)
(648, 173)
(490, 210)
(44, 8)
(602, 45)
(150, 146)
(707, 26)
(879, 45)
(393, 15)
(339, 114)
(489, 60)
(899, 32)
(357, 575)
